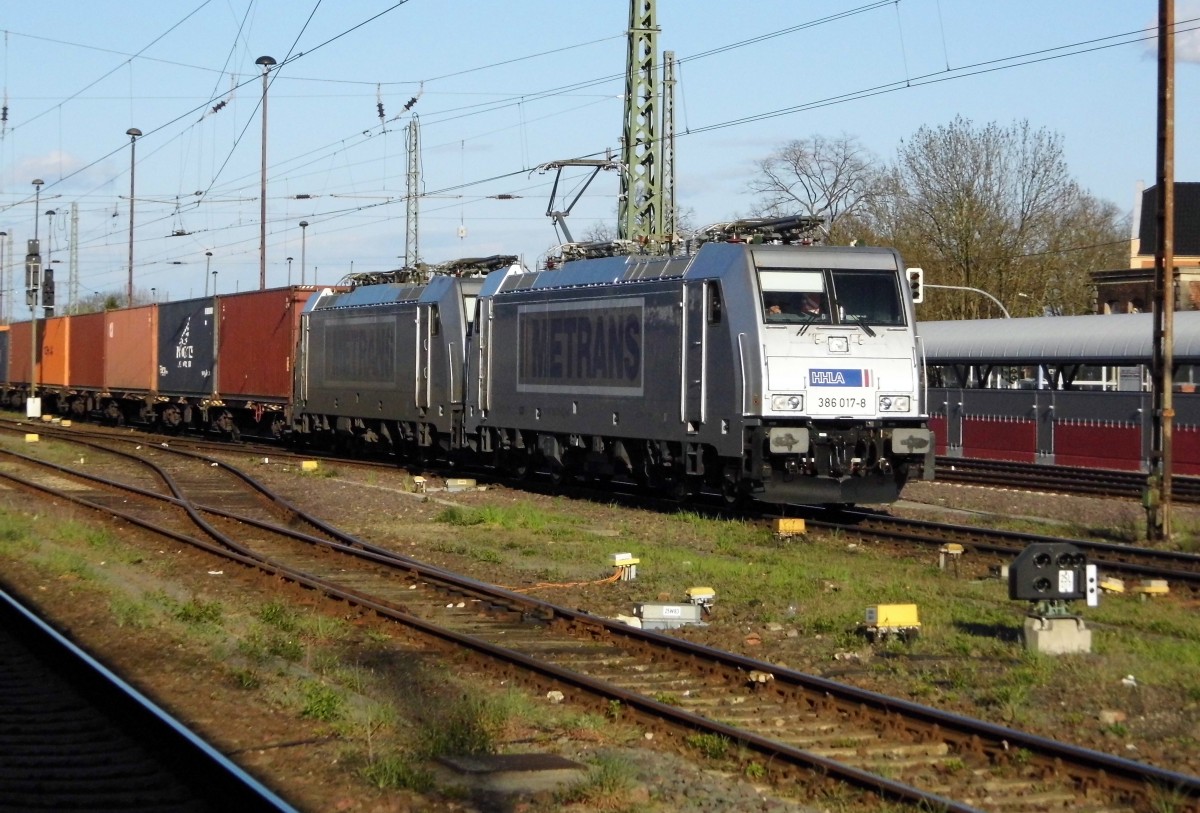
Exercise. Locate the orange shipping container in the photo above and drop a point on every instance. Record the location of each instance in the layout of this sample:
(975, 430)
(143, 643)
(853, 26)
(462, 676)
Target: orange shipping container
(256, 343)
(86, 370)
(130, 350)
(55, 339)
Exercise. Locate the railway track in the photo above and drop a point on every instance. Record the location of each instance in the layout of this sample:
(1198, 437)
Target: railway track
(74, 736)
(1181, 569)
(807, 729)
(1063, 479)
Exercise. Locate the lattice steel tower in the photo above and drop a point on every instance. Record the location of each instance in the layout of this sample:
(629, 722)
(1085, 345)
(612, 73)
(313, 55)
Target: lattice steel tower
(412, 253)
(639, 209)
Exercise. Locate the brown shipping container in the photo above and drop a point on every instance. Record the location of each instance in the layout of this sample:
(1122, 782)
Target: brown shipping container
(130, 350)
(256, 342)
(18, 353)
(86, 371)
(55, 339)
(5, 347)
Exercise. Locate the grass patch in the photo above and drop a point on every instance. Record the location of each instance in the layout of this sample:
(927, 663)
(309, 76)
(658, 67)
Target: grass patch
(321, 702)
(608, 784)
(397, 772)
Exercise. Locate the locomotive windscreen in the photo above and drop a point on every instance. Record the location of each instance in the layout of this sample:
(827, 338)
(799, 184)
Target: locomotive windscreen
(843, 296)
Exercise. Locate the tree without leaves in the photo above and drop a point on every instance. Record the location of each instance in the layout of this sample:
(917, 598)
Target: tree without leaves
(995, 209)
(829, 177)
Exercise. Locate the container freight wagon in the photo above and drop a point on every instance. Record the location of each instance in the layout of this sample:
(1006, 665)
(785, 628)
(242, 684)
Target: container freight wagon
(257, 336)
(187, 348)
(130, 364)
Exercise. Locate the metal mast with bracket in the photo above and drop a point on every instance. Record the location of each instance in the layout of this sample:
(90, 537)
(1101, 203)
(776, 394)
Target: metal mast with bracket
(640, 206)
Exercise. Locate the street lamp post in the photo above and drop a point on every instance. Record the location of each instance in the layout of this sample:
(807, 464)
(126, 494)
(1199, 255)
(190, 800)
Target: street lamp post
(289, 259)
(214, 283)
(207, 268)
(303, 234)
(999, 304)
(133, 133)
(3, 279)
(33, 299)
(266, 62)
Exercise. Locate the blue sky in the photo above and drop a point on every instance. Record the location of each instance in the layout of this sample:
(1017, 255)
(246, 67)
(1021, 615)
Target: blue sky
(502, 87)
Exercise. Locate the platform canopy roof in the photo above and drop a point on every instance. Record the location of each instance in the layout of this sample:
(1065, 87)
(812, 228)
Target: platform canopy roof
(1121, 339)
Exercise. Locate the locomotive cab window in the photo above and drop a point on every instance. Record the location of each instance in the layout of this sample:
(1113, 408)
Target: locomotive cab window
(794, 297)
(868, 297)
(435, 321)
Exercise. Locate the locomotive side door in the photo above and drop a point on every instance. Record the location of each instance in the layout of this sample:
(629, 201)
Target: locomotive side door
(483, 349)
(694, 351)
(429, 328)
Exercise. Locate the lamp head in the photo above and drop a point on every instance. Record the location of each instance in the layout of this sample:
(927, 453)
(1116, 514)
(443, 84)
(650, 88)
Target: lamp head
(133, 132)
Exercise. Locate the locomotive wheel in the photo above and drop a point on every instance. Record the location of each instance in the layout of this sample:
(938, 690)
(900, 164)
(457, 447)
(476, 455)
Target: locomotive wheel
(78, 407)
(518, 463)
(731, 489)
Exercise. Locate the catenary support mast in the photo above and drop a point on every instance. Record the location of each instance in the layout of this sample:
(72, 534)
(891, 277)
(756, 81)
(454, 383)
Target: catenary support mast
(1158, 491)
(639, 210)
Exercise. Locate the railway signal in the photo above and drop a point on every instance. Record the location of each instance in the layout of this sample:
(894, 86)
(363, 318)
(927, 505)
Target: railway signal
(33, 272)
(916, 284)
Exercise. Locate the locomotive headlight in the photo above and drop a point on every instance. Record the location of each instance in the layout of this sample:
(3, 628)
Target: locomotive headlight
(787, 403)
(895, 403)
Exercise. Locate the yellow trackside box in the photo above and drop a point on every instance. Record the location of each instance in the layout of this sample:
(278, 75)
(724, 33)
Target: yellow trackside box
(893, 616)
(788, 526)
(308, 465)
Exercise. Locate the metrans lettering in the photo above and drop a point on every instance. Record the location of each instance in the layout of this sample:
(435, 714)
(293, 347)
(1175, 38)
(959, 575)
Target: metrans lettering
(361, 352)
(839, 378)
(579, 344)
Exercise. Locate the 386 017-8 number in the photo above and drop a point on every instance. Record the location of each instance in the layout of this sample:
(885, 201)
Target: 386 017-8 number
(841, 403)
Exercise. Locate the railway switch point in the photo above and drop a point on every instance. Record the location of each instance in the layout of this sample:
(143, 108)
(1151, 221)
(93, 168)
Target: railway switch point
(787, 527)
(886, 620)
(624, 566)
(1111, 584)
